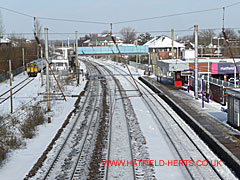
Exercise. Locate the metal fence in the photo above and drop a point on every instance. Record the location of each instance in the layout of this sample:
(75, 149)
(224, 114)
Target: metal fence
(218, 81)
(140, 66)
(15, 72)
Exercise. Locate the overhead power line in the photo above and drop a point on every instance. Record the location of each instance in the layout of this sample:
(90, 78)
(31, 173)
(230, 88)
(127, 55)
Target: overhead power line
(120, 22)
(71, 20)
(234, 4)
(16, 12)
(51, 19)
(138, 32)
(177, 14)
(166, 16)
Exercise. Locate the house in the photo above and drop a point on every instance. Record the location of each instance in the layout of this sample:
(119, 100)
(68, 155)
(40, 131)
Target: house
(5, 42)
(162, 45)
(104, 40)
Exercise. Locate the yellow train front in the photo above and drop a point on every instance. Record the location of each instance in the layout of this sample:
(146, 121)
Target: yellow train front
(32, 69)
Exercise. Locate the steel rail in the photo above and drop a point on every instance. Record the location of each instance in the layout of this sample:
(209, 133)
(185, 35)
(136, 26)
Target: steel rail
(128, 129)
(86, 135)
(150, 93)
(16, 90)
(70, 132)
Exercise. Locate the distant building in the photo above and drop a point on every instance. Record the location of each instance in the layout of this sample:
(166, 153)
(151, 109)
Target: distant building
(162, 45)
(105, 40)
(5, 42)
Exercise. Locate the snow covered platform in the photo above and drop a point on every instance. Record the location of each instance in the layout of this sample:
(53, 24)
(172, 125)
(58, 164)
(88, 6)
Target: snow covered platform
(209, 123)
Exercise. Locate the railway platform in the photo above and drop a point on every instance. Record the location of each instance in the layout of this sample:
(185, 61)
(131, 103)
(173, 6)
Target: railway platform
(221, 138)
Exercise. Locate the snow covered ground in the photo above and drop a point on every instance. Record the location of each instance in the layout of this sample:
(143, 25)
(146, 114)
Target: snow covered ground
(19, 162)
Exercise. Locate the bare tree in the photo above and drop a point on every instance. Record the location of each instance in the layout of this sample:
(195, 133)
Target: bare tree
(38, 30)
(129, 34)
(186, 38)
(2, 28)
(233, 41)
(143, 38)
(231, 34)
(105, 32)
(206, 36)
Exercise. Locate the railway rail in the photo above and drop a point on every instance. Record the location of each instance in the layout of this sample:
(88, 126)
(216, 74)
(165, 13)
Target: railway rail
(117, 84)
(92, 97)
(175, 131)
(14, 88)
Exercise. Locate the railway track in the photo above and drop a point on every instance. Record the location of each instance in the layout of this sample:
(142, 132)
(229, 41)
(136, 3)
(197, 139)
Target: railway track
(78, 137)
(16, 89)
(176, 133)
(117, 85)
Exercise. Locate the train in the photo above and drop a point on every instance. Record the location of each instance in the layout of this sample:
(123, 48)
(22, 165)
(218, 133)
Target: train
(34, 67)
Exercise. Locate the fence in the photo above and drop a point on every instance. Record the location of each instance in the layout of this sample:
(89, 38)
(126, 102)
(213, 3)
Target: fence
(217, 87)
(15, 72)
(140, 66)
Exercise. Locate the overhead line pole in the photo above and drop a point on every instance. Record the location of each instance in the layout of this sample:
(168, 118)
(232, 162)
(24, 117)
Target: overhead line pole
(39, 44)
(76, 57)
(10, 74)
(23, 61)
(127, 67)
(47, 69)
(172, 43)
(196, 62)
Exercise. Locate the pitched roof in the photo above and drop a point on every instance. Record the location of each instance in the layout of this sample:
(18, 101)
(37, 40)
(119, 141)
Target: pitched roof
(163, 42)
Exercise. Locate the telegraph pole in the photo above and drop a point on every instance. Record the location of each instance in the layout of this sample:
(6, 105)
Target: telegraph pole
(10, 74)
(76, 58)
(41, 67)
(111, 29)
(136, 58)
(47, 69)
(172, 43)
(149, 56)
(196, 61)
(68, 42)
(235, 77)
(23, 61)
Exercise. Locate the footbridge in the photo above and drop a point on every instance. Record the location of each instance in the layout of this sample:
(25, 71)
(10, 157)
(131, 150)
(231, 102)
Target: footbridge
(110, 50)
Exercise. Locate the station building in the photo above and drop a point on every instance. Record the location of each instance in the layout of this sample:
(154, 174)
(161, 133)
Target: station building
(180, 69)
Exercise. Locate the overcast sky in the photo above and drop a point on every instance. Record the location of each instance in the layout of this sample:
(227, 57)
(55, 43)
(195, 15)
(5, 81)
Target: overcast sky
(115, 11)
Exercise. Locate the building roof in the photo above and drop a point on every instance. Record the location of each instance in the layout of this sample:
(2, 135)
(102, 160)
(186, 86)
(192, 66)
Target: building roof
(163, 42)
(215, 60)
(104, 38)
(5, 41)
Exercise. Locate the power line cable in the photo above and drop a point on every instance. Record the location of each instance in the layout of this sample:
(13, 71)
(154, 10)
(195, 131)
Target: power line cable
(166, 16)
(121, 22)
(20, 13)
(138, 32)
(71, 20)
(177, 14)
(234, 4)
(52, 19)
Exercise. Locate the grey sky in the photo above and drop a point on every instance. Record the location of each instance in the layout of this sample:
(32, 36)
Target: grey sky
(114, 11)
